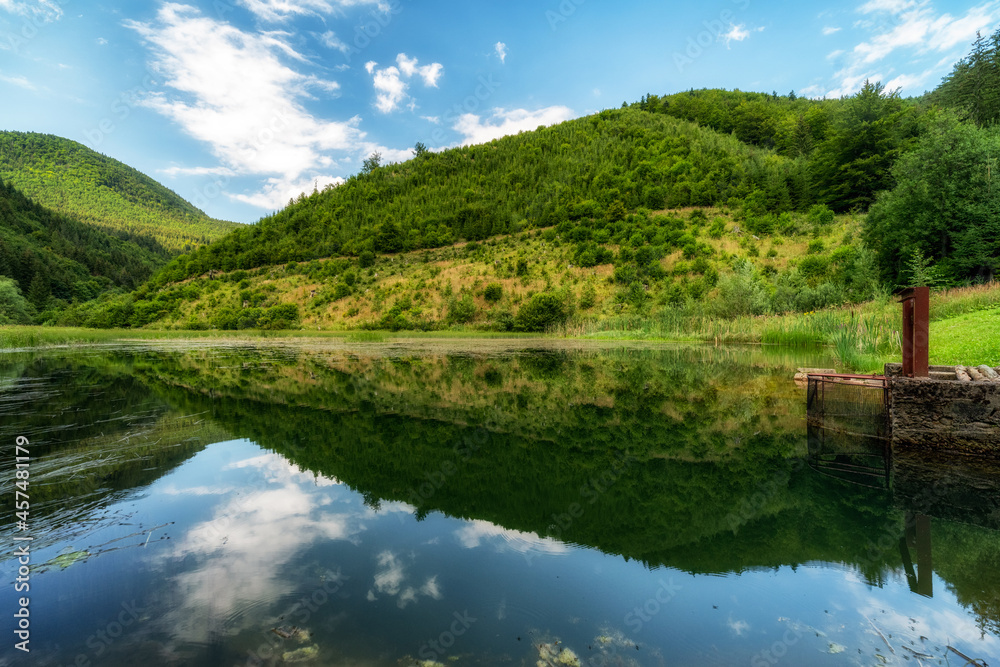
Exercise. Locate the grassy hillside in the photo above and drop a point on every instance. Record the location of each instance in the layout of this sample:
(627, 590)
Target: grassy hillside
(663, 263)
(72, 179)
(597, 169)
(54, 260)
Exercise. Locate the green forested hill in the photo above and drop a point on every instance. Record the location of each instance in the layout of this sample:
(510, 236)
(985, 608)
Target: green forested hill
(850, 145)
(54, 259)
(601, 167)
(708, 203)
(72, 179)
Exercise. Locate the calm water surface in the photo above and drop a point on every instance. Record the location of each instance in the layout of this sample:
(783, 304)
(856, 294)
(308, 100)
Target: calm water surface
(438, 503)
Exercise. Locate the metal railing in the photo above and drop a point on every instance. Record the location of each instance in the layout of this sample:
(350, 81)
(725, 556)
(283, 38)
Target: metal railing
(848, 427)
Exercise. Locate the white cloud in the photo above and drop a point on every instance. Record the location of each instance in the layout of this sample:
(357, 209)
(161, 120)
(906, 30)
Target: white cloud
(914, 27)
(232, 90)
(851, 83)
(390, 85)
(17, 80)
(911, 82)
(429, 73)
(41, 10)
(276, 191)
(737, 33)
(831, 30)
(101, 41)
(330, 40)
(501, 50)
(504, 122)
(282, 10)
(813, 91)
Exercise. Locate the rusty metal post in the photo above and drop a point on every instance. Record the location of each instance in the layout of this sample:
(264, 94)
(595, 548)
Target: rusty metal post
(916, 331)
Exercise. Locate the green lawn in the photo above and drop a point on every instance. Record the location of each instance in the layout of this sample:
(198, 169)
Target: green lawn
(970, 339)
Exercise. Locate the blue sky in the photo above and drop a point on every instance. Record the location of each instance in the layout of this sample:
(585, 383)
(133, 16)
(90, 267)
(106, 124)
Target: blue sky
(239, 105)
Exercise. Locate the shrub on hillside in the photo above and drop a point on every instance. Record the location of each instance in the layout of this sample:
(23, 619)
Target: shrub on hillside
(542, 311)
(742, 292)
(493, 292)
(461, 309)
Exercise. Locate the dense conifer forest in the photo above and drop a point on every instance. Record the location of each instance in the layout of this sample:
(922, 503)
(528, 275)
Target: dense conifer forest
(49, 261)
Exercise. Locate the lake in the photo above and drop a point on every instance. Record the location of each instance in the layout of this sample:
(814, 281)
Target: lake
(441, 502)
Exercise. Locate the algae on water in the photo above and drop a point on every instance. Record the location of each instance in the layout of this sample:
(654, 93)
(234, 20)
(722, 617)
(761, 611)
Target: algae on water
(304, 654)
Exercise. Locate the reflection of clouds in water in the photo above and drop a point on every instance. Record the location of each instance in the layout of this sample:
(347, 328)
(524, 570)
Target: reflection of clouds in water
(389, 508)
(475, 532)
(739, 628)
(243, 550)
(390, 580)
(940, 625)
(277, 468)
(903, 617)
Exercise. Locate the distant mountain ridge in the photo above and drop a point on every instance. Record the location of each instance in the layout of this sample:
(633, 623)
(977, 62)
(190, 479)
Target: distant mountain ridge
(72, 179)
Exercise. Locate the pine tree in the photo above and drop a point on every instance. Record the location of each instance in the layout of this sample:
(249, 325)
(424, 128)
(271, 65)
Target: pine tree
(39, 291)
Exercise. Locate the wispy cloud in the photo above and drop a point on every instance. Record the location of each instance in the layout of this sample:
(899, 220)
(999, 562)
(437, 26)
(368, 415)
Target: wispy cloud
(40, 10)
(198, 171)
(391, 88)
(504, 122)
(913, 26)
(330, 40)
(831, 30)
(234, 91)
(17, 80)
(501, 51)
(282, 10)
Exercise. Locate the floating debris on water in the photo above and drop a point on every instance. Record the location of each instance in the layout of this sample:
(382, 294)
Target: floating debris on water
(550, 655)
(286, 632)
(62, 561)
(67, 559)
(835, 648)
(613, 648)
(304, 654)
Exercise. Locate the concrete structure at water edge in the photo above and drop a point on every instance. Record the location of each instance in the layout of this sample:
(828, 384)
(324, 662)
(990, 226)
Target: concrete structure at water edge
(943, 413)
(913, 406)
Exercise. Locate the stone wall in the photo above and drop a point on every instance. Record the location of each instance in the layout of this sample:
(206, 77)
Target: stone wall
(945, 415)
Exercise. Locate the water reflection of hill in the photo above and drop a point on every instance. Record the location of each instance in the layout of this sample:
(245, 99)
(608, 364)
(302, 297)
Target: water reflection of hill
(689, 458)
(95, 432)
(645, 453)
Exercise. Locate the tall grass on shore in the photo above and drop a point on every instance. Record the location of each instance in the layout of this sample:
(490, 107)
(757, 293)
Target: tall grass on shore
(864, 336)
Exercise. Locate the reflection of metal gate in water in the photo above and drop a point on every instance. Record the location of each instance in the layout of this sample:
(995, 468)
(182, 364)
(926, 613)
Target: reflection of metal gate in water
(848, 427)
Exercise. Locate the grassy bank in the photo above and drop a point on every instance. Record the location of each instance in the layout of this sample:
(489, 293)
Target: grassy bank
(964, 323)
(19, 337)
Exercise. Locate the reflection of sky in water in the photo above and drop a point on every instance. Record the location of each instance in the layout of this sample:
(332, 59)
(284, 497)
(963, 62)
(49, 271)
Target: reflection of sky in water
(258, 544)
